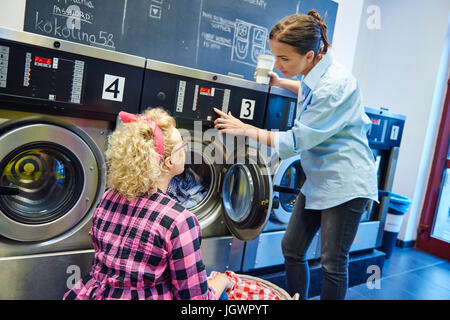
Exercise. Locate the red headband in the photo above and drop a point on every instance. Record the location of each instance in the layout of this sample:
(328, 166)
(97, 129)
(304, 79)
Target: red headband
(157, 133)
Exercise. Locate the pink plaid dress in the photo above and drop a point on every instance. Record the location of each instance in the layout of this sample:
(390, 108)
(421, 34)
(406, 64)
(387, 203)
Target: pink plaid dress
(145, 249)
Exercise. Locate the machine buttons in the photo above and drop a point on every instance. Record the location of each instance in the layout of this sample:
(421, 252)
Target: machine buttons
(226, 100)
(77, 80)
(26, 74)
(4, 56)
(194, 104)
(181, 93)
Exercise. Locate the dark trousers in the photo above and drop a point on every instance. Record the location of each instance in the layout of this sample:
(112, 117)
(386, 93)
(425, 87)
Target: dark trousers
(338, 229)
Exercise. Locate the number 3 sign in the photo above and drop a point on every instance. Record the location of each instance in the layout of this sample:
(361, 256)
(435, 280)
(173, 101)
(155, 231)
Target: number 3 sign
(247, 109)
(113, 88)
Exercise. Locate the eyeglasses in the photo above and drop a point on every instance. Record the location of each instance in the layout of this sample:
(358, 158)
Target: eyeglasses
(184, 146)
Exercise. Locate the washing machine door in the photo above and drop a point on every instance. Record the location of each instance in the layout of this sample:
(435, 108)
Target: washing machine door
(247, 199)
(55, 175)
(287, 182)
(197, 188)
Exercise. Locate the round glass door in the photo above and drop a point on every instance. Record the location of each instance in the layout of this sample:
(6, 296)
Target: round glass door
(292, 178)
(288, 181)
(246, 198)
(48, 180)
(57, 173)
(238, 192)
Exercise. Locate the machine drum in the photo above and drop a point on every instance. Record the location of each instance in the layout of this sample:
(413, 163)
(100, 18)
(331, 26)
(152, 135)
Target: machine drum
(48, 180)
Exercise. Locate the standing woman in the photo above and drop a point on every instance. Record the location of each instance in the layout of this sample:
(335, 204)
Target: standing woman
(329, 133)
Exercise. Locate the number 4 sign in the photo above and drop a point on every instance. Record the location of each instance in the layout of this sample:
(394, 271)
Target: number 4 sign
(113, 88)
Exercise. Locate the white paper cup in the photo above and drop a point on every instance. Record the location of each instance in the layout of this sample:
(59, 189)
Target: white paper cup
(265, 64)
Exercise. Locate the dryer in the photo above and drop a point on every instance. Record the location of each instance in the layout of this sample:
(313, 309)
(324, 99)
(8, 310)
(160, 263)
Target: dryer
(288, 178)
(58, 101)
(236, 190)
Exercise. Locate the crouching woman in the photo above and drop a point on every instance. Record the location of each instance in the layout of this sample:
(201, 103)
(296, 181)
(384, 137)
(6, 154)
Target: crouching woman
(147, 246)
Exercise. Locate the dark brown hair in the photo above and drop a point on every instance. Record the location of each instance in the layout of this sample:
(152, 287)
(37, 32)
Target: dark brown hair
(305, 32)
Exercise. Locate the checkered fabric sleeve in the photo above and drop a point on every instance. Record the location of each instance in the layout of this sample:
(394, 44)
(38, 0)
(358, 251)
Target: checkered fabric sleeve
(186, 267)
(246, 290)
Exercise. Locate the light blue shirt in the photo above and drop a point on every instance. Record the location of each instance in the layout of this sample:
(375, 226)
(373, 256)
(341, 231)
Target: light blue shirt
(330, 134)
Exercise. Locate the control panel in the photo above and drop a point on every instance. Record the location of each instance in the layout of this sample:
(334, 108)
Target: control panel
(48, 80)
(200, 98)
(386, 129)
(46, 77)
(190, 94)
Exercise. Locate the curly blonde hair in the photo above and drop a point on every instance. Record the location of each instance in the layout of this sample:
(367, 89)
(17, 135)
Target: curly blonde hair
(133, 164)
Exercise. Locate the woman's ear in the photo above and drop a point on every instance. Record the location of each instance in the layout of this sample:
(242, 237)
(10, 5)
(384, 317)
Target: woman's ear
(310, 56)
(168, 164)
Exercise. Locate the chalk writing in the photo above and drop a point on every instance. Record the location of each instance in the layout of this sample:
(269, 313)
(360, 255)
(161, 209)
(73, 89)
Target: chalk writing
(58, 29)
(259, 3)
(220, 31)
(86, 3)
(248, 38)
(74, 13)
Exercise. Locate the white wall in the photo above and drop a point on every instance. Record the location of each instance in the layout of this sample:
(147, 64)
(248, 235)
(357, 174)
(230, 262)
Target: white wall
(398, 67)
(346, 30)
(12, 14)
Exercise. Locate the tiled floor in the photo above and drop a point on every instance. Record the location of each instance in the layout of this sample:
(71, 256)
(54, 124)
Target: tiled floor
(409, 274)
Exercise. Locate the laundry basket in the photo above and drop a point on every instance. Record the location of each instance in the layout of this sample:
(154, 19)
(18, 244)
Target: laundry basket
(269, 285)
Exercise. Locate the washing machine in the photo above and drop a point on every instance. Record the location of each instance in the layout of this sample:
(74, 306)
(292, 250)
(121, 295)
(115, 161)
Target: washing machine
(288, 178)
(58, 102)
(233, 190)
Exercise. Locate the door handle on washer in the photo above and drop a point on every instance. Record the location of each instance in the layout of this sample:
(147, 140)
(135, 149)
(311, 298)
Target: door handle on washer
(9, 191)
(285, 189)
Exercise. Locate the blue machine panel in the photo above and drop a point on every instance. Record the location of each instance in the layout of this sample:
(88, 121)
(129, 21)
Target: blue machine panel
(386, 130)
(281, 109)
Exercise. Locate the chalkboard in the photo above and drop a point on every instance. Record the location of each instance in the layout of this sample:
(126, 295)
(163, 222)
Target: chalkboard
(219, 36)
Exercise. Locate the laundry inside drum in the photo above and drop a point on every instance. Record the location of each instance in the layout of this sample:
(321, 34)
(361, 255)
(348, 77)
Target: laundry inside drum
(191, 187)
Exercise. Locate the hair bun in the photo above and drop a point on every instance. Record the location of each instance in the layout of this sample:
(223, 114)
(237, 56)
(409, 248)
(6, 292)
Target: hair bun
(323, 27)
(313, 13)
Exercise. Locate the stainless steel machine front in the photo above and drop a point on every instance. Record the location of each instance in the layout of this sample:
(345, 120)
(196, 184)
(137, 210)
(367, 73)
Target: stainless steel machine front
(58, 102)
(233, 190)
